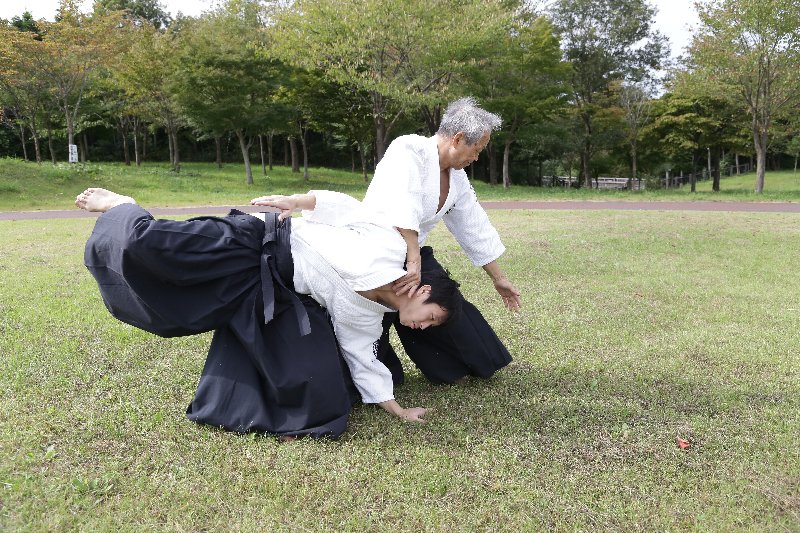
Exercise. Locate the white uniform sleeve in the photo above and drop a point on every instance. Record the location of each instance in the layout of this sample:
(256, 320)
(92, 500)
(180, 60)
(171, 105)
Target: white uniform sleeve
(470, 225)
(371, 377)
(336, 209)
(396, 191)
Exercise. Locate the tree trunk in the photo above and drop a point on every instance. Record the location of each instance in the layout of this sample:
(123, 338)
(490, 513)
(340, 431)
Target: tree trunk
(269, 150)
(506, 152)
(760, 141)
(245, 145)
(286, 151)
(136, 125)
(293, 150)
(363, 153)
(586, 150)
(176, 162)
(171, 150)
(36, 147)
(125, 152)
(22, 140)
(305, 153)
(380, 138)
(492, 164)
(693, 178)
(50, 145)
(261, 151)
(715, 164)
(218, 150)
(433, 118)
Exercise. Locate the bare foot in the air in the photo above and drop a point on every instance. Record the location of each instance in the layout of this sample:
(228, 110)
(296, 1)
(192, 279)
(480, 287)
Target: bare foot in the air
(96, 199)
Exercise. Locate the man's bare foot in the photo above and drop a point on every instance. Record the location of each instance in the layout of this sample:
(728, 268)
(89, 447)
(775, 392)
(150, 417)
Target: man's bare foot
(96, 199)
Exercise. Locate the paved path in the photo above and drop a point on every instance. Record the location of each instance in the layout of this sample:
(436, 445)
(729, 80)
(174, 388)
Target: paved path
(753, 207)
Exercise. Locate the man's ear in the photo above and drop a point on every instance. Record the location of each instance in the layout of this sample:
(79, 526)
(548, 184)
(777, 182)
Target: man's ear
(458, 138)
(424, 289)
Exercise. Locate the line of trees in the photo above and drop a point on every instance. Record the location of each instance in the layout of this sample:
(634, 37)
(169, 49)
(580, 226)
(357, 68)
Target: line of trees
(577, 82)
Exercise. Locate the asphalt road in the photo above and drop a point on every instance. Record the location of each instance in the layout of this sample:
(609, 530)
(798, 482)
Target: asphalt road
(752, 207)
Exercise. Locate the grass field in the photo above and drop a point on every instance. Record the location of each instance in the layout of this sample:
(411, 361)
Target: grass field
(28, 186)
(639, 328)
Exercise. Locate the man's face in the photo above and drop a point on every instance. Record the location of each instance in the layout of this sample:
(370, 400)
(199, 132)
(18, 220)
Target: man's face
(465, 154)
(420, 315)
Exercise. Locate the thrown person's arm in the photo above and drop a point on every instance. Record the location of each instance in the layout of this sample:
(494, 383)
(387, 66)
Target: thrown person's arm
(372, 379)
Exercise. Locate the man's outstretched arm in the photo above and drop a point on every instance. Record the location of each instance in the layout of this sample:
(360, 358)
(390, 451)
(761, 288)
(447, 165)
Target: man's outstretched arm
(287, 204)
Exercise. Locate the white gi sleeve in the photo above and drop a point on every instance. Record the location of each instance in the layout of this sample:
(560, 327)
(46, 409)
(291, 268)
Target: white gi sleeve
(371, 377)
(470, 225)
(336, 209)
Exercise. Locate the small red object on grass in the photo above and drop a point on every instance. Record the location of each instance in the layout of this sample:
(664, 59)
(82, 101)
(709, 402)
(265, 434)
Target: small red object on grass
(683, 444)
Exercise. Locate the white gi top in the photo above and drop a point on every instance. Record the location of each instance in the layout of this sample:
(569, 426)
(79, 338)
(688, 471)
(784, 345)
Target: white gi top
(339, 248)
(405, 191)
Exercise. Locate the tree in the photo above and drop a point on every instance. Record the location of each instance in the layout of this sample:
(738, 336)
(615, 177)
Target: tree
(522, 78)
(222, 84)
(697, 125)
(401, 54)
(137, 10)
(605, 41)
(636, 103)
(145, 73)
(748, 52)
(24, 89)
(27, 23)
(70, 52)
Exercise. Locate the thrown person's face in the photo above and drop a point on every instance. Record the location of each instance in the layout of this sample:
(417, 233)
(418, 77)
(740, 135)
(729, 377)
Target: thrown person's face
(465, 154)
(421, 315)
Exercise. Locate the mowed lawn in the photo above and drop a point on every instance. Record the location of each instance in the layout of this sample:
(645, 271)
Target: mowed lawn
(26, 186)
(639, 328)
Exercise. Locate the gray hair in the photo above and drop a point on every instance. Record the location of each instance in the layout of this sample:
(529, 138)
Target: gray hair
(464, 115)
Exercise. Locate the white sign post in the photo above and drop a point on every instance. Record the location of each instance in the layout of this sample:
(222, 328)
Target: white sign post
(73, 153)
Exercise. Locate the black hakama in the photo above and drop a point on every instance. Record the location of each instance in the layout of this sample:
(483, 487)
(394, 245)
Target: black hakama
(447, 353)
(273, 365)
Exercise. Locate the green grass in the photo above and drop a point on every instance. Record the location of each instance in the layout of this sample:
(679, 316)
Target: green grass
(28, 186)
(638, 328)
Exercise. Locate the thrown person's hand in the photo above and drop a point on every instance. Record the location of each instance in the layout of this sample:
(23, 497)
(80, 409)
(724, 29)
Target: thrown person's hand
(411, 281)
(509, 293)
(415, 414)
(286, 204)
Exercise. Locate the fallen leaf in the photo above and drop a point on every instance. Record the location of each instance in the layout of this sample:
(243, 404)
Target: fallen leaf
(683, 444)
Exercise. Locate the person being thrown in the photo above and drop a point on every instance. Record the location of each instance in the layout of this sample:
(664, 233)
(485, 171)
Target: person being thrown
(261, 283)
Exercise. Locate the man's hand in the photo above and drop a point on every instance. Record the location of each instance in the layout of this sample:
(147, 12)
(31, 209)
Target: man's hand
(507, 290)
(509, 293)
(411, 281)
(412, 414)
(413, 278)
(415, 414)
(286, 204)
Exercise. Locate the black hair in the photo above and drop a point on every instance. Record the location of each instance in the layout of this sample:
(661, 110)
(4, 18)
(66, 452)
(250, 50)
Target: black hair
(444, 293)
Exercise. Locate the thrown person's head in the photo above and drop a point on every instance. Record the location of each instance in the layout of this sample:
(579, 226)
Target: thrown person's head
(468, 127)
(437, 301)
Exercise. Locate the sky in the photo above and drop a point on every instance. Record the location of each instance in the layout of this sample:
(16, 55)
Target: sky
(674, 19)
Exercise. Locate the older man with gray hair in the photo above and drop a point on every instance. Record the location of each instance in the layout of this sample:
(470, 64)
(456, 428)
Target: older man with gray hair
(420, 181)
